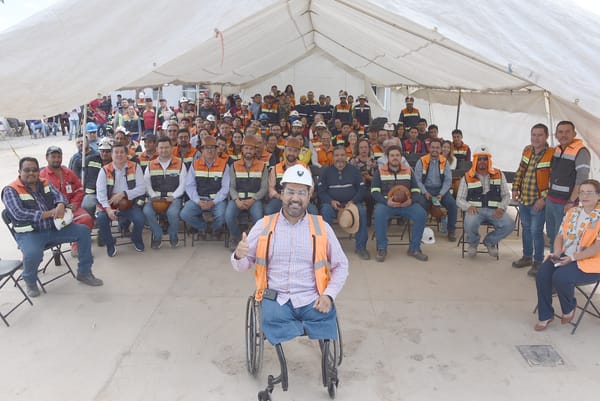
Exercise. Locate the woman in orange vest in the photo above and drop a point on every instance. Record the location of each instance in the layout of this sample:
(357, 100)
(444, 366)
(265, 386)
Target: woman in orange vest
(576, 259)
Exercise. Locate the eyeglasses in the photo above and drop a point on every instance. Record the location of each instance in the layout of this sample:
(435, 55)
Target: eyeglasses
(482, 159)
(587, 193)
(290, 192)
(30, 169)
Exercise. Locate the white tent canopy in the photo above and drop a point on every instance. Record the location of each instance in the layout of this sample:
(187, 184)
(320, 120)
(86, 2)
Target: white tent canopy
(502, 55)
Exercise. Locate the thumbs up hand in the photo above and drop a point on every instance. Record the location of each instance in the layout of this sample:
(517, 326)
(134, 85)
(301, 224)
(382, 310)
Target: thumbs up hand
(242, 248)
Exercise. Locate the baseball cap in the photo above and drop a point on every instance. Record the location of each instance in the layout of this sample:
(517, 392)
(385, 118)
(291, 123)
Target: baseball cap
(149, 137)
(53, 149)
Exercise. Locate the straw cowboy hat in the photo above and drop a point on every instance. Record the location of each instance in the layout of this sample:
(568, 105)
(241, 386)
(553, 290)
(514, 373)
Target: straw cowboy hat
(348, 218)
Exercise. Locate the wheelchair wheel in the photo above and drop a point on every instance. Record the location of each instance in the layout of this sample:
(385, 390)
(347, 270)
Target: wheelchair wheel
(254, 337)
(329, 364)
(338, 343)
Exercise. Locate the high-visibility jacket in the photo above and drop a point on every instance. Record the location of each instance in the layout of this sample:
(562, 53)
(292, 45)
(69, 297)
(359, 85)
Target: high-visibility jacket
(187, 158)
(417, 147)
(343, 112)
(563, 173)
(542, 170)
(165, 181)
(377, 151)
(363, 114)
(28, 202)
(462, 152)
(248, 180)
(589, 237)
(145, 159)
(409, 118)
(208, 179)
(390, 178)
(93, 165)
(271, 111)
(320, 242)
(325, 157)
(426, 159)
(130, 170)
(475, 195)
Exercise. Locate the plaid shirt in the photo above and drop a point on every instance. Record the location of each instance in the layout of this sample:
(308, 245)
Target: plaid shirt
(291, 272)
(529, 188)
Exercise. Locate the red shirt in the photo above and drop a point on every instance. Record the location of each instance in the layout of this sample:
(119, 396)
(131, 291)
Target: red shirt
(70, 186)
(148, 117)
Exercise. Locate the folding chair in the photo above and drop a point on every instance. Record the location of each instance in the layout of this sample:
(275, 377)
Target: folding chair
(8, 268)
(58, 254)
(461, 242)
(404, 229)
(510, 178)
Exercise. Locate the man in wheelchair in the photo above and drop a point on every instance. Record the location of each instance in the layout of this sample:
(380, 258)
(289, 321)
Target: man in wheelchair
(300, 269)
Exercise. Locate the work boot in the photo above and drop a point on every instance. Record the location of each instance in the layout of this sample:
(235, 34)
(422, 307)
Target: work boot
(523, 262)
(32, 290)
(89, 279)
(417, 254)
(451, 236)
(534, 269)
(155, 243)
(381, 254)
(363, 254)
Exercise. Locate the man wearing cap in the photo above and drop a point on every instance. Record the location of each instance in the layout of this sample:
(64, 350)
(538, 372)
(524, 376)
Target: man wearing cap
(247, 188)
(270, 109)
(297, 132)
(292, 151)
(302, 280)
(207, 186)
(75, 161)
(119, 187)
(409, 116)
(33, 204)
(92, 135)
(434, 178)
(362, 112)
(339, 186)
(164, 179)
(391, 176)
(185, 111)
(184, 149)
(149, 153)
(483, 195)
(343, 110)
(324, 153)
(65, 181)
(93, 165)
(133, 149)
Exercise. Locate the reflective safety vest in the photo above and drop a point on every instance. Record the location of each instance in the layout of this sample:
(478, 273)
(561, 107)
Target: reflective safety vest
(93, 165)
(187, 158)
(563, 174)
(542, 169)
(247, 181)
(377, 151)
(390, 178)
(145, 160)
(165, 181)
(325, 157)
(271, 111)
(344, 113)
(109, 170)
(320, 243)
(208, 179)
(461, 152)
(28, 202)
(235, 155)
(589, 237)
(425, 160)
(475, 195)
(409, 118)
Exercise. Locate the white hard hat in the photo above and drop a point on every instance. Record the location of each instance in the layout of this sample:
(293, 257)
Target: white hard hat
(227, 114)
(65, 221)
(297, 174)
(294, 113)
(184, 100)
(428, 237)
(297, 123)
(210, 118)
(165, 125)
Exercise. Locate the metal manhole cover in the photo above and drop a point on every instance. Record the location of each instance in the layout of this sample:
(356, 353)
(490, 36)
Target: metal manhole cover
(540, 355)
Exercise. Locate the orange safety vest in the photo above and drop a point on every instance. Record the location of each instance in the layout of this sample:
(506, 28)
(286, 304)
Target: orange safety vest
(28, 202)
(425, 162)
(165, 181)
(248, 181)
(145, 160)
(542, 170)
(590, 235)
(320, 242)
(188, 158)
(377, 151)
(461, 152)
(493, 198)
(325, 157)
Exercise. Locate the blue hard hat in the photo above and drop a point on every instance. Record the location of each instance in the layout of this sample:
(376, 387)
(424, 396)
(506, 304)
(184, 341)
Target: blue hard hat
(91, 127)
(263, 116)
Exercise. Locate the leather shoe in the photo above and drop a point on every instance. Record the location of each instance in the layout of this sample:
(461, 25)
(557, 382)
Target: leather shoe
(417, 254)
(541, 325)
(89, 279)
(523, 262)
(381, 254)
(363, 254)
(451, 236)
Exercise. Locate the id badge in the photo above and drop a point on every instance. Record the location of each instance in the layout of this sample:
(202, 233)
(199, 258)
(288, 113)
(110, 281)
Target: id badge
(68, 188)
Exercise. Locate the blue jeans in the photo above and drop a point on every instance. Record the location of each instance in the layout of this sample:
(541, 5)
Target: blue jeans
(73, 129)
(284, 322)
(32, 246)
(563, 279)
(533, 232)
(449, 203)
(503, 227)
(133, 214)
(172, 218)
(554, 217)
(192, 215)
(329, 214)
(415, 213)
(232, 212)
(89, 203)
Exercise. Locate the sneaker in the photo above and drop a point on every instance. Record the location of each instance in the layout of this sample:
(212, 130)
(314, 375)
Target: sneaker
(381, 254)
(74, 250)
(89, 279)
(523, 262)
(417, 254)
(452, 236)
(472, 250)
(154, 244)
(174, 243)
(363, 254)
(32, 290)
(139, 247)
(534, 269)
(111, 250)
(492, 250)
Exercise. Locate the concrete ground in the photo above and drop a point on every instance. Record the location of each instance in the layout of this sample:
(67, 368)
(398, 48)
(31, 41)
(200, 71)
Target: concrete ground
(169, 325)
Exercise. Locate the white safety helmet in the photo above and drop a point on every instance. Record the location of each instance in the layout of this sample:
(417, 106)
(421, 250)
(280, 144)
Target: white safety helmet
(210, 118)
(428, 237)
(184, 100)
(65, 221)
(297, 174)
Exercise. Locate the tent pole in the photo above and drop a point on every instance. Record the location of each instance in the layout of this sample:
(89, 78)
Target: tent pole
(197, 99)
(84, 143)
(549, 115)
(458, 108)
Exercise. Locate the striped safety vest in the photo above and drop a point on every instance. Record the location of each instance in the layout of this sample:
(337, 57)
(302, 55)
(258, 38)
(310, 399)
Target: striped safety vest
(165, 181)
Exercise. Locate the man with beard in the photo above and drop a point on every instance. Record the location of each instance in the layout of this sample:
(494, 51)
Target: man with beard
(339, 185)
(184, 149)
(303, 279)
(292, 150)
(149, 152)
(75, 162)
(343, 110)
(247, 189)
(92, 169)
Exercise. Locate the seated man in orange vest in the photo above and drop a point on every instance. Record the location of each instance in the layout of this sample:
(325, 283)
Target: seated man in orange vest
(247, 188)
(207, 186)
(33, 204)
(297, 284)
(483, 195)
